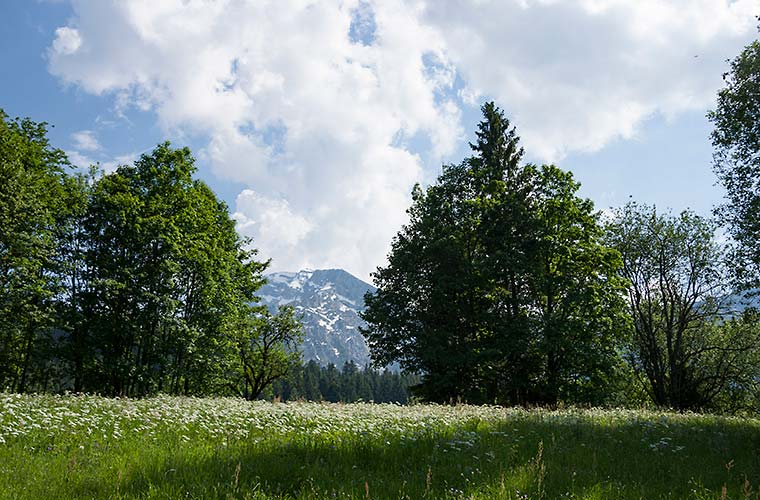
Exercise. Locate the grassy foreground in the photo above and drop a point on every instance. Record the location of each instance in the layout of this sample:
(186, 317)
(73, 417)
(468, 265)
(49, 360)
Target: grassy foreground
(91, 447)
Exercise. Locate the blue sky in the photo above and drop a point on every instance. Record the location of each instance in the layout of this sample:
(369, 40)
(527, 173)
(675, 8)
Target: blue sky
(313, 119)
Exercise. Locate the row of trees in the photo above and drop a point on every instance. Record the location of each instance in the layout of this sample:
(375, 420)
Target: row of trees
(313, 382)
(128, 283)
(507, 287)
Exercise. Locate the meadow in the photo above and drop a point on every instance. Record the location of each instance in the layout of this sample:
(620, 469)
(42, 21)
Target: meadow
(55, 447)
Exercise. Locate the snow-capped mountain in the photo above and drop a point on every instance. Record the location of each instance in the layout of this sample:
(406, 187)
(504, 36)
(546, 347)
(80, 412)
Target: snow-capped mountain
(329, 302)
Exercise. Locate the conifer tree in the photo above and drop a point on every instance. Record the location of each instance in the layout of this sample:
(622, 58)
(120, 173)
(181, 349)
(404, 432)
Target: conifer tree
(499, 289)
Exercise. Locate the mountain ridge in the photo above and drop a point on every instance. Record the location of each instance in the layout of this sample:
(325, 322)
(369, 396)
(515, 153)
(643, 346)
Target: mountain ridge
(329, 302)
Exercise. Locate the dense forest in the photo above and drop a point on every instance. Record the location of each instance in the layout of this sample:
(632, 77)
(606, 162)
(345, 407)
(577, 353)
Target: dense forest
(349, 384)
(504, 287)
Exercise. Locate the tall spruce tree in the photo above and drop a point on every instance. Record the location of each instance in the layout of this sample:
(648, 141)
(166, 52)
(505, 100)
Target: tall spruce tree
(499, 288)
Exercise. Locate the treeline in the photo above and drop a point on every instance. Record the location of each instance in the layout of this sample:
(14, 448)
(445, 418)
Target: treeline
(312, 382)
(127, 283)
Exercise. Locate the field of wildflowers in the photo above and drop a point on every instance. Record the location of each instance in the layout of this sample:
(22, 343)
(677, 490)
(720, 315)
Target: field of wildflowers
(167, 447)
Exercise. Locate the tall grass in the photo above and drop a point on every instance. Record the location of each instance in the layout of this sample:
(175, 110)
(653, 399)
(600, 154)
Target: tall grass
(91, 447)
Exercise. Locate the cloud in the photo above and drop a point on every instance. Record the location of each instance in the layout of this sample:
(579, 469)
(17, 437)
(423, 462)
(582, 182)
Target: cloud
(329, 111)
(85, 140)
(273, 219)
(87, 151)
(576, 75)
(106, 163)
(79, 159)
(109, 165)
(67, 41)
(313, 119)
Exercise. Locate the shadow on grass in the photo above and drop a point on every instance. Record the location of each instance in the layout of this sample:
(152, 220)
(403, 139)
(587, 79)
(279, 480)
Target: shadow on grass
(515, 459)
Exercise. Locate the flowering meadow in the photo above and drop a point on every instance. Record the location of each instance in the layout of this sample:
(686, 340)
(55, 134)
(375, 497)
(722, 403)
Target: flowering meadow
(176, 447)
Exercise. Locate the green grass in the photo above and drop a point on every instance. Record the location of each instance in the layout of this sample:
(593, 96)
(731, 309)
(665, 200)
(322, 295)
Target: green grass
(89, 447)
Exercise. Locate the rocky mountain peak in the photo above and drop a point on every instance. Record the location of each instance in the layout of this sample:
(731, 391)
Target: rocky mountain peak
(329, 302)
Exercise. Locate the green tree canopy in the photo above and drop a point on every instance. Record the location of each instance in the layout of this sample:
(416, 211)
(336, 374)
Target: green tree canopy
(126, 283)
(499, 288)
(736, 140)
(169, 277)
(35, 207)
(682, 346)
(267, 345)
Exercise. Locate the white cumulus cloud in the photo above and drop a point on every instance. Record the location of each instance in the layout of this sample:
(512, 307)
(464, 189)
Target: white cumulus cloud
(85, 140)
(272, 218)
(313, 120)
(67, 41)
(577, 74)
(328, 110)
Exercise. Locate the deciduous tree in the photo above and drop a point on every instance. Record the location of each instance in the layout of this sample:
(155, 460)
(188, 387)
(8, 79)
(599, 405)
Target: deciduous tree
(267, 346)
(736, 141)
(169, 277)
(683, 347)
(35, 201)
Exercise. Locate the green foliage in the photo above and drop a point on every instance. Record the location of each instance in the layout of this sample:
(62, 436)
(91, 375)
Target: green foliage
(37, 201)
(168, 277)
(688, 354)
(128, 283)
(581, 317)
(86, 447)
(738, 362)
(268, 347)
(736, 140)
(499, 289)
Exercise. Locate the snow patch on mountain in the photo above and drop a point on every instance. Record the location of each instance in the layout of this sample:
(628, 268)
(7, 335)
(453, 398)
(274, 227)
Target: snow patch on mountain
(329, 302)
